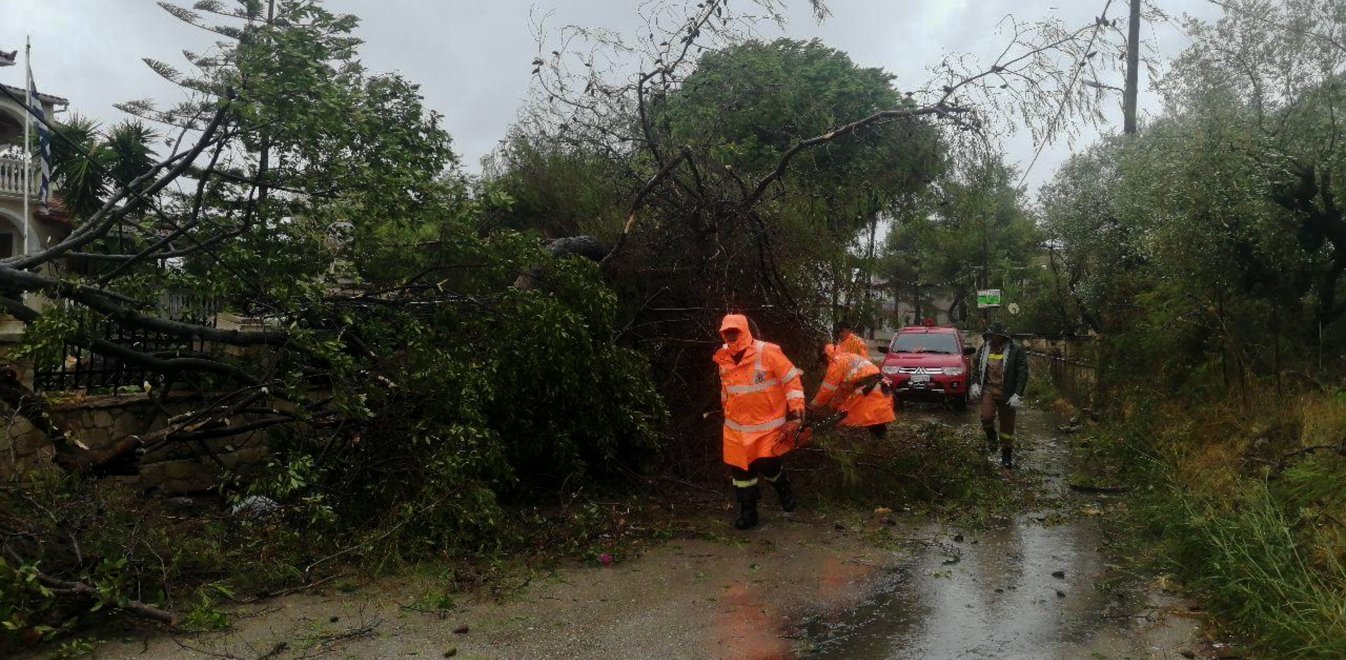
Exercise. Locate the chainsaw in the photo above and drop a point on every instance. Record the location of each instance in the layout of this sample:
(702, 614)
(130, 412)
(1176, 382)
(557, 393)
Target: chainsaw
(829, 421)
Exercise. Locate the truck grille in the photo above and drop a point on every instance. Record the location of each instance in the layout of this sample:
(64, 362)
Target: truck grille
(929, 371)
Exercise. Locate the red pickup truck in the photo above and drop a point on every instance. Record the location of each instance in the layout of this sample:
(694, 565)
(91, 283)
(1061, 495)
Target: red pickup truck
(928, 363)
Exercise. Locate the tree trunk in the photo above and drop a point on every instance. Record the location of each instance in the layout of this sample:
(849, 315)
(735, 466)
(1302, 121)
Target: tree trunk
(869, 279)
(960, 294)
(917, 311)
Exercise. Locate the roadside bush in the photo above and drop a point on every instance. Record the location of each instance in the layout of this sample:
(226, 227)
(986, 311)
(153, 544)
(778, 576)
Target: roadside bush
(1234, 502)
(1253, 560)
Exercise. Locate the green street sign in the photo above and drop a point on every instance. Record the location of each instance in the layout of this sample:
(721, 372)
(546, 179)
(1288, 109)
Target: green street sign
(988, 298)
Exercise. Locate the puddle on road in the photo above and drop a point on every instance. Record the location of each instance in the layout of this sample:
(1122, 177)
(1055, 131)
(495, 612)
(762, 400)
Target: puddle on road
(1022, 589)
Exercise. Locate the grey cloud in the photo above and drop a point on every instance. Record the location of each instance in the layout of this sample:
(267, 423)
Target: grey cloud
(471, 57)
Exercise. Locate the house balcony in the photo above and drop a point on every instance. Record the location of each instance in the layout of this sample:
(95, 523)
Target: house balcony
(11, 179)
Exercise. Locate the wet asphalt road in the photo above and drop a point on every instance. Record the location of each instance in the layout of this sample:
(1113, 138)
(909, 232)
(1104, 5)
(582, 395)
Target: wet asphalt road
(1022, 588)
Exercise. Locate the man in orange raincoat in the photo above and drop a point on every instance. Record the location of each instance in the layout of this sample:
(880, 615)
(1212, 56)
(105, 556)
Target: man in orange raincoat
(872, 409)
(763, 398)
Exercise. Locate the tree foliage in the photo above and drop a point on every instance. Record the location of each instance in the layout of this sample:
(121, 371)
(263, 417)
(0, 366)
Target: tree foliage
(1213, 235)
(87, 162)
(745, 106)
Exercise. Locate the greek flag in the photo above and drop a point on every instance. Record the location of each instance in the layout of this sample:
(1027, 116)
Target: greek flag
(43, 138)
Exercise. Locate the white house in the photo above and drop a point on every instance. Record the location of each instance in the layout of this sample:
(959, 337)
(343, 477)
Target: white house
(20, 234)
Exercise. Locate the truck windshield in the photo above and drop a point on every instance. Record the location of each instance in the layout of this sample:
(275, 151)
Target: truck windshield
(923, 343)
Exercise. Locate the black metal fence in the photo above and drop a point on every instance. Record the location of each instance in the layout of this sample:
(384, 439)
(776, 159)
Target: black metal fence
(76, 367)
(1068, 362)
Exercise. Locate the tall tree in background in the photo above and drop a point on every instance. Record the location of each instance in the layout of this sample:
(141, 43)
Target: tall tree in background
(973, 231)
(768, 97)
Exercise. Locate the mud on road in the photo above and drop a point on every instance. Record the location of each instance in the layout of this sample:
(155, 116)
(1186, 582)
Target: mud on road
(804, 584)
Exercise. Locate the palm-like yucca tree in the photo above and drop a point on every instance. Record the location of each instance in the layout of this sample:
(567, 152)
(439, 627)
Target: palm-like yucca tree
(128, 151)
(115, 157)
(82, 185)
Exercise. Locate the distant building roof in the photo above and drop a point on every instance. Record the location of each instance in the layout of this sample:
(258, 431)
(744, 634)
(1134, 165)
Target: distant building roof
(45, 98)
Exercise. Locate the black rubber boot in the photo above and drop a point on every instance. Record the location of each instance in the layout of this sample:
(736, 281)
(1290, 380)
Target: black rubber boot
(785, 492)
(747, 507)
(1007, 457)
(992, 440)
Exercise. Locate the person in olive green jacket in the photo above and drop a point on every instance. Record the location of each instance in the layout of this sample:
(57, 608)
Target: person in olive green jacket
(1000, 374)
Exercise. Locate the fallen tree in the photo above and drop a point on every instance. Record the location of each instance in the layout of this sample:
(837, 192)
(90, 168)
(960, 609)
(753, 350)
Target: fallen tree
(383, 344)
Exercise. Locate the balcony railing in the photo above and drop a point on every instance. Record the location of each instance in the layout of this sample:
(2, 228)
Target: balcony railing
(11, 179)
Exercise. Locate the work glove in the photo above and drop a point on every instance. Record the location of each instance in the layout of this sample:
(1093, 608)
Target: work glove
(1015, 401)
(975, 392)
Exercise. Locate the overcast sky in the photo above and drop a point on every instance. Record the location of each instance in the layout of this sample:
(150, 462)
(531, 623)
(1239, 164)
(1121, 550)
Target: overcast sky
(472, 56)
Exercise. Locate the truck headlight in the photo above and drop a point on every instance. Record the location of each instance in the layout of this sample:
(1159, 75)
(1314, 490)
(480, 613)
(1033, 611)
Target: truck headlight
(953, 371)
(892, 371)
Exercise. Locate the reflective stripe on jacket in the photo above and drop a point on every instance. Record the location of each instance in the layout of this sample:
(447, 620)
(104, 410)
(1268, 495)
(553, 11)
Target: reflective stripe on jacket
(838, 389)
(757, 392)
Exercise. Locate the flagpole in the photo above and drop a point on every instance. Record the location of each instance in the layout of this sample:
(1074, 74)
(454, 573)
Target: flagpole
(27, 129)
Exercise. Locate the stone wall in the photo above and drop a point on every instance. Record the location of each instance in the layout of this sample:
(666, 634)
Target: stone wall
(98, 421)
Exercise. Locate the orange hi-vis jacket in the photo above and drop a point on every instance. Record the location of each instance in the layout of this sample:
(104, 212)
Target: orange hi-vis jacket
(757, 391)
(838, 389)
(852, 343)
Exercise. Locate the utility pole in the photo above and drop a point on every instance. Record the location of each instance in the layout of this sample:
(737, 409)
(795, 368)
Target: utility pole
(264, 162)
(917, 314)
(1132, 71)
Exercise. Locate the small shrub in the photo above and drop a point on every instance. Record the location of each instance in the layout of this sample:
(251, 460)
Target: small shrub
(205, 615)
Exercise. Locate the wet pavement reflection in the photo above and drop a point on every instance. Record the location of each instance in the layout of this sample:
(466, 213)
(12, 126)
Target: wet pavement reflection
(1020, 588)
